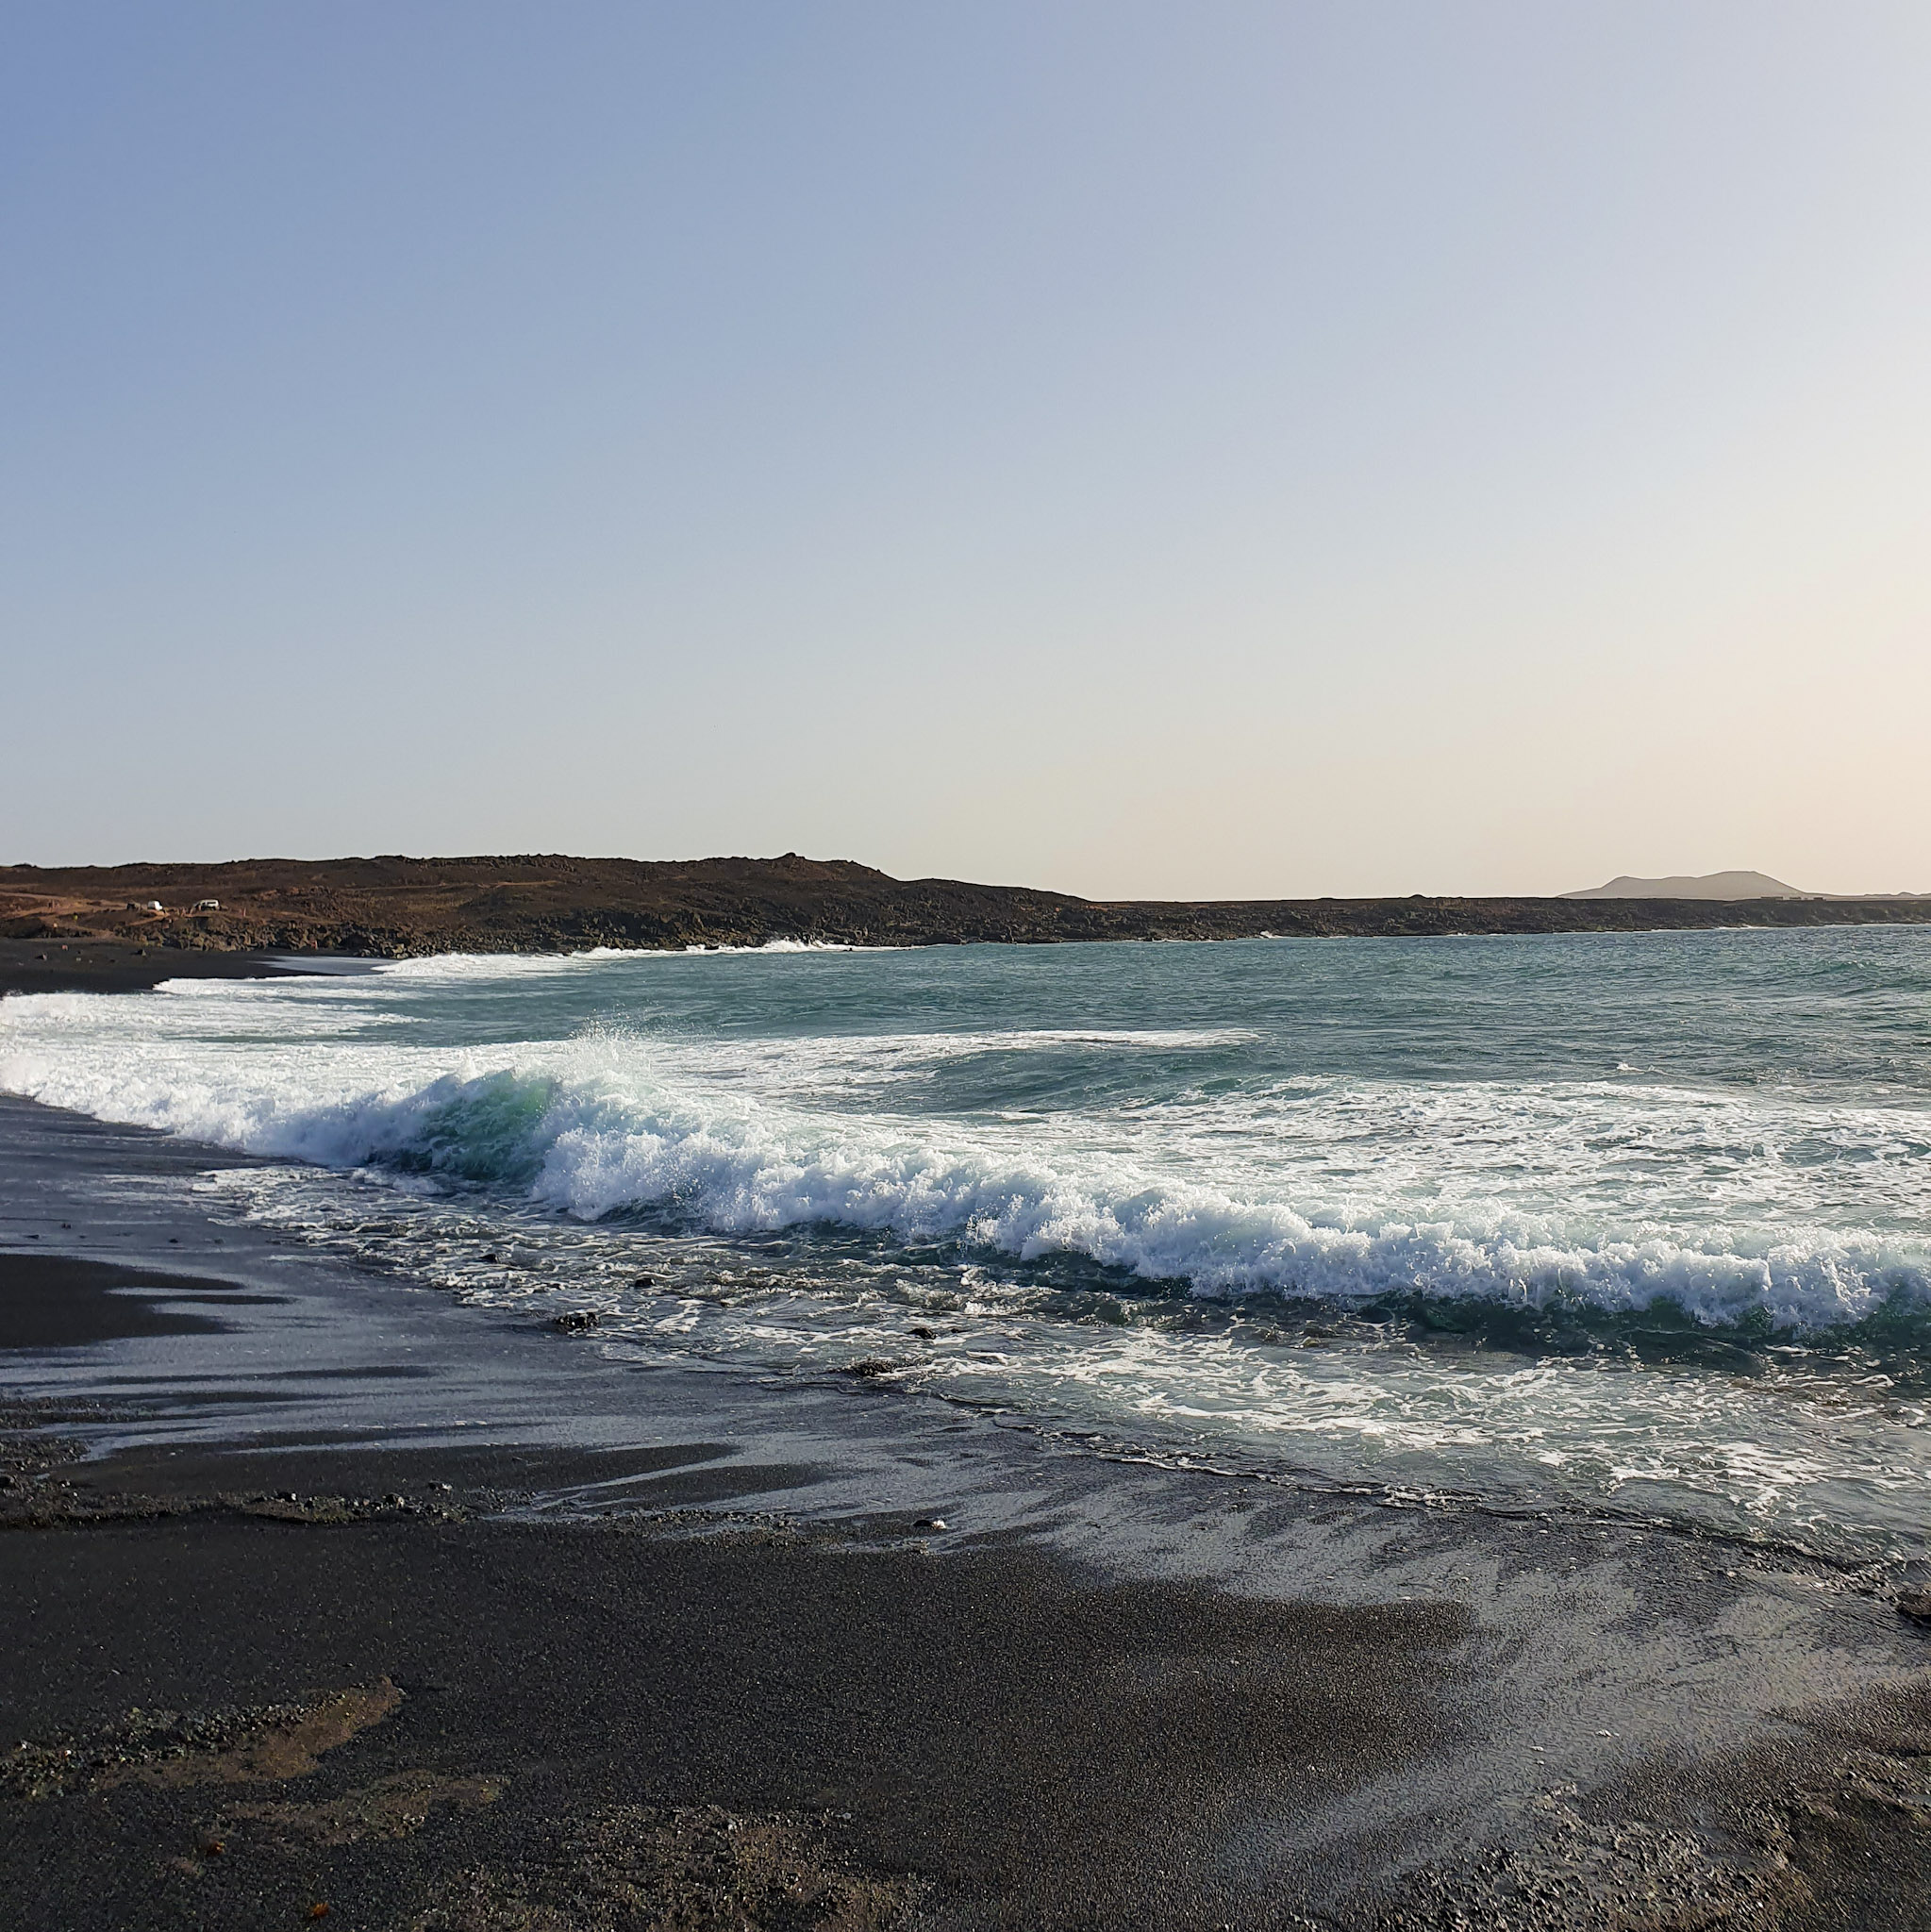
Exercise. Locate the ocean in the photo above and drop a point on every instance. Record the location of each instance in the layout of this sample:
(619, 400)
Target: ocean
(1634, 1227)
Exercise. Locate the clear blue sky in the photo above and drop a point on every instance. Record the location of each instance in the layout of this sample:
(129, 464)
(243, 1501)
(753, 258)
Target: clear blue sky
(1186, 449)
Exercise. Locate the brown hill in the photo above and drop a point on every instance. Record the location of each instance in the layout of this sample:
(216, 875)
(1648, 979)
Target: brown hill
(1710, 884)
(397, 906)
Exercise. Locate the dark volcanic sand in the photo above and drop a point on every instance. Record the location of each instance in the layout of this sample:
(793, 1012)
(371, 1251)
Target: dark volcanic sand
(114, 966)
(54, 1301)
(994, 1726)
(1097, 1696)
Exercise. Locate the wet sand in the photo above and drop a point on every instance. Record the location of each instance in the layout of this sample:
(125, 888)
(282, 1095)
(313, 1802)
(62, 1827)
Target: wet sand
(442, 1618)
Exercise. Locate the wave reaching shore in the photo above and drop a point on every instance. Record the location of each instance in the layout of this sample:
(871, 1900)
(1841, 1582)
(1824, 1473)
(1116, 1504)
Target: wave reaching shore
(1549, 1145)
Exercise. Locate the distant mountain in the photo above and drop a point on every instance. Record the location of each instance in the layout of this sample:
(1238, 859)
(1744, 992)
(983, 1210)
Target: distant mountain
(1714, 885)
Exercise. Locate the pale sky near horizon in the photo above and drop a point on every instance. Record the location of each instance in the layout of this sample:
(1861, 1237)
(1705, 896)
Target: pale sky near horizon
(1188, 450)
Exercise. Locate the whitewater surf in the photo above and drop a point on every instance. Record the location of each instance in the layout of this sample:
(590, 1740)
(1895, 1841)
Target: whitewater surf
(1636, 1224)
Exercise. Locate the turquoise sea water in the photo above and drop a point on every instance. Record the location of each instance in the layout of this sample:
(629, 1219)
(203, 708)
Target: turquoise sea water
(1629, 1223)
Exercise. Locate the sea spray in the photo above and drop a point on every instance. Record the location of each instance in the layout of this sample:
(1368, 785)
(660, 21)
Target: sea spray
(1577, 1156)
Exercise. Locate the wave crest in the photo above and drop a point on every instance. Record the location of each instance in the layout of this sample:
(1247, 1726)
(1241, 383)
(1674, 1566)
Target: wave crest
(577, 1137)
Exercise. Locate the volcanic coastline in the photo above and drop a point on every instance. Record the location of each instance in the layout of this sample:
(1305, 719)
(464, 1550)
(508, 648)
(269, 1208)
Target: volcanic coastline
(400, 908)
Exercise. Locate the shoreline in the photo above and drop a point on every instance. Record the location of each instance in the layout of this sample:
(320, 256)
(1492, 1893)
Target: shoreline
(34, 966)
(396, 908)
(106, 966)
(934, 1669)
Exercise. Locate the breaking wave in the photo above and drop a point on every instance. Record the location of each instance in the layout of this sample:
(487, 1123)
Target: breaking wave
(600, 1128)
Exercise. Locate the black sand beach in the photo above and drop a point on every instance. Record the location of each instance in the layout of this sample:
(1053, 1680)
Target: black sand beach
(324, 1597)
(103, 965)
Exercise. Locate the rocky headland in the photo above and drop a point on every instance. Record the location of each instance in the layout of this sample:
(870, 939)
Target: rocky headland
(397, 908)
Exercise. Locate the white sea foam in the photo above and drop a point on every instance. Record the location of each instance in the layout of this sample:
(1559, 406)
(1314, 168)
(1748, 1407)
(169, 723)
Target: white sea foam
(1603, 1194)
(461, 966)
(1743, 1125)
(1836, 1464)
